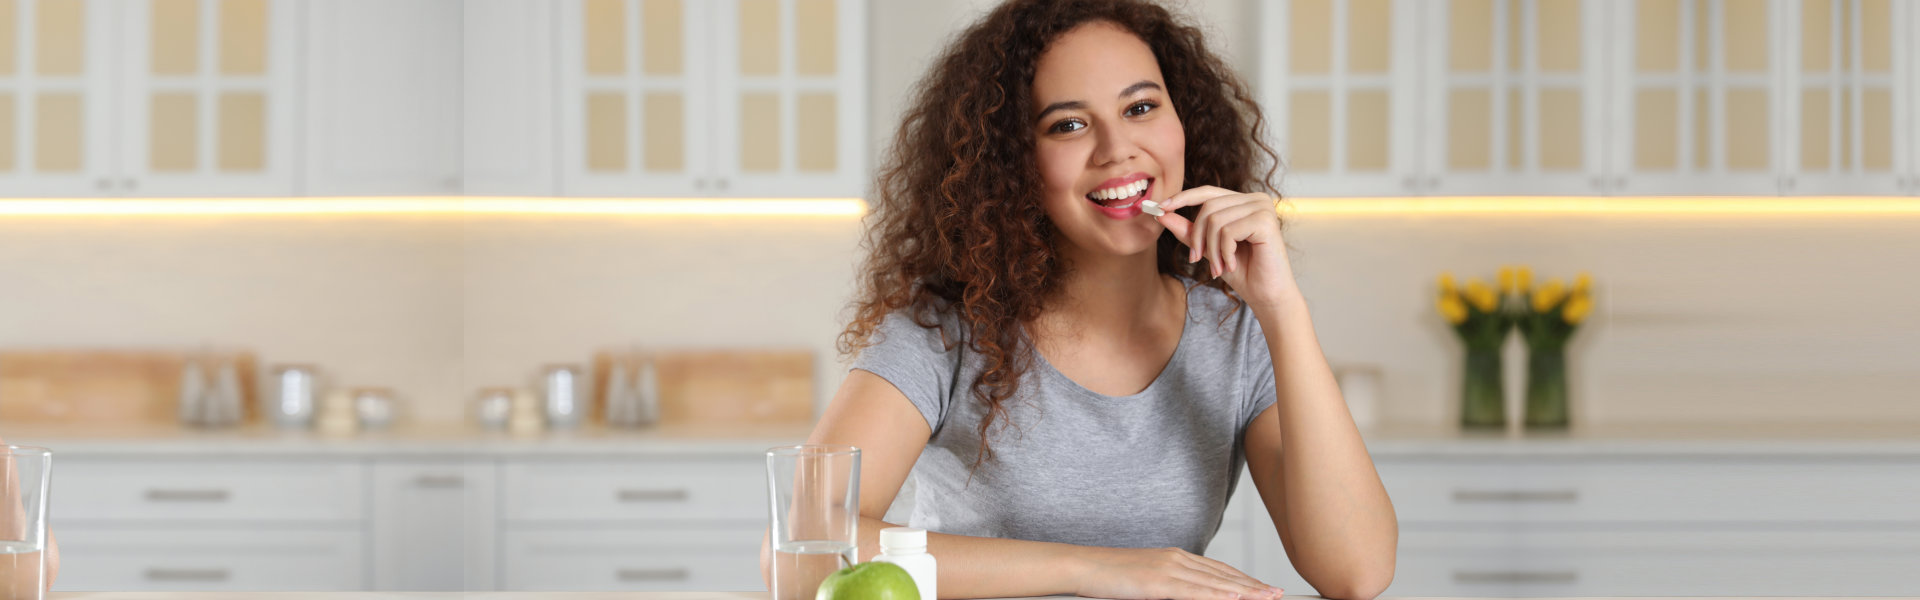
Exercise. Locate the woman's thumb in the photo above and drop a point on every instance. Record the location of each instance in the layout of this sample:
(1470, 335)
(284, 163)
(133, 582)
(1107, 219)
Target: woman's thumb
(1177, 224)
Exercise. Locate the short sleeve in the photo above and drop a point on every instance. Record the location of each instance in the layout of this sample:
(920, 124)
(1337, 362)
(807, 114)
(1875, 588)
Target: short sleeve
(1258, 369)
(916, 361)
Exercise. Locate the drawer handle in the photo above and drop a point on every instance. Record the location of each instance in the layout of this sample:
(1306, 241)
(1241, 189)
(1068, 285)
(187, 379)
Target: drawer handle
(637, 575)
(652, 495)
(200, 575)
(1479, 496)
(187, 495)
(440, 482)
(1559, 577)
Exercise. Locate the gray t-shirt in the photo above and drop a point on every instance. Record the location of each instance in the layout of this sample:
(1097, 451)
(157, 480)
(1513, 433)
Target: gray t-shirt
(1150, 470)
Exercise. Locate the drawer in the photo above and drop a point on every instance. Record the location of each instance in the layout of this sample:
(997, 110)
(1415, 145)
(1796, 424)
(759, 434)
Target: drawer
(210, 560)
(633, 559)
(636, 490)
(1652, 490)
(1656, 563)
(212, 490)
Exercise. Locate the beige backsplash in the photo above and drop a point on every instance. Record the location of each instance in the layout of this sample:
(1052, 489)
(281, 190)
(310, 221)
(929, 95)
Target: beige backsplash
(1722, 319)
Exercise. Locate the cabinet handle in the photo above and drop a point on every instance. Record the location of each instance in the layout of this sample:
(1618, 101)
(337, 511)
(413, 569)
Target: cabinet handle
(127, 183)
(636, 575)
(187, 495)
(1433, 182)
(720, 183)
(440, 482)
(1619, 182)
(699, 183)
(1484, 496)
(1410, 183)
(104, 183)
(201, 575)
(1557, 577)
(652, 495)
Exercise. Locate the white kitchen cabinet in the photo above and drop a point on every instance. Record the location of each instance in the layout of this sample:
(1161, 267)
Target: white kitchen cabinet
(674, 98)
(56, 99)
(662, 558)
(509, 143)
(1595, 97)
(384, 98)
(207, 93)
(210, 524)
(196, 558)
(147, 98)
(434, 525)
(1340, 95)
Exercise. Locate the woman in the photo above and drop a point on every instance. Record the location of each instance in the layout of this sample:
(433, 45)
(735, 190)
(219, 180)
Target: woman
(1074, 384)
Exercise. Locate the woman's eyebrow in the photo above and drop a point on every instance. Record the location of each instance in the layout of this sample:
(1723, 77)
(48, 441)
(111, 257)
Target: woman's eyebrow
(1076, 104)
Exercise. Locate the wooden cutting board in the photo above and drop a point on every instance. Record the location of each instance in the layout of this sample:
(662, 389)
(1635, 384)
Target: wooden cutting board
(719, 386)
(105, 386)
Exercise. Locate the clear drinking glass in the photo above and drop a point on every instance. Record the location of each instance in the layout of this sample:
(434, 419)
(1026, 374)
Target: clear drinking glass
(813, 500)
(24, 477)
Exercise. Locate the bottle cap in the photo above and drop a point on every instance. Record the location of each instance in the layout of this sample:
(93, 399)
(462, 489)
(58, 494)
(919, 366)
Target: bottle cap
(903, 538)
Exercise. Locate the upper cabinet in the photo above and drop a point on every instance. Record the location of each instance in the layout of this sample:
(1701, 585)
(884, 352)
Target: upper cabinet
(206, 90)
(762, 98)
(145, 98)
(56, 103)
(1339, 87)
(1595, 97)
(382, 91)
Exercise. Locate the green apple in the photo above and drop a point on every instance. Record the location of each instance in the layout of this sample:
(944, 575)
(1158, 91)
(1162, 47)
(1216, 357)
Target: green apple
(869, 581)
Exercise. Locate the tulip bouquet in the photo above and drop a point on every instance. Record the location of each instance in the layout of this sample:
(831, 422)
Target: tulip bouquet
(1547, 317)
(1480, 318)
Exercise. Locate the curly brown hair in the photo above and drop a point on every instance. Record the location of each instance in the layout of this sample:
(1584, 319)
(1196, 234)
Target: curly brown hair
(958, 216)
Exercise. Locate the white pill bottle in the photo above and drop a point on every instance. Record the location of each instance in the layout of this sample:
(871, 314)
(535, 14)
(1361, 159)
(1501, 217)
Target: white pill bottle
(907, 547)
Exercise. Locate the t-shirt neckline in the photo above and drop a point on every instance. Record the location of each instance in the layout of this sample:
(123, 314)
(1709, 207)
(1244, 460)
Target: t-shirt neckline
(1186, 327)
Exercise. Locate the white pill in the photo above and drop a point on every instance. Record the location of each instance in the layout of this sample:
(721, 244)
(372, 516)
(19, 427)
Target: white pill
(1151, 207)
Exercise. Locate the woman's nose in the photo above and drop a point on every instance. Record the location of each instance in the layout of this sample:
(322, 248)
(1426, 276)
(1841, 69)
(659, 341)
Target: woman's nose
(1113, 146)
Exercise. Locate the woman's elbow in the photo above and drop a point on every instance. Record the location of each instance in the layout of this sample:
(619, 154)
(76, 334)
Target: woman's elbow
(1364, 587)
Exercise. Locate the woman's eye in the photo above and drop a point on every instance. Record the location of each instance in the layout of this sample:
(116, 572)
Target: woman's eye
(1061, 126)
(1147, 105)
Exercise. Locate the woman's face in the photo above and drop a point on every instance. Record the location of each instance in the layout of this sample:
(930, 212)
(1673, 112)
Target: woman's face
(1106, 122)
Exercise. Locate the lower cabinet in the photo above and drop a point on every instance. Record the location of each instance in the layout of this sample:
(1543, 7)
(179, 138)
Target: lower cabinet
(1505, 525)
(211, 558)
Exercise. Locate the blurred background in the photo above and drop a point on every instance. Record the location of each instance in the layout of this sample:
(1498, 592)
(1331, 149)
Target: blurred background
(506, 294)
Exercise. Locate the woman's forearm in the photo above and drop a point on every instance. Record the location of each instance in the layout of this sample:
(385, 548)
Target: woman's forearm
(979, 567)
(1343, 529)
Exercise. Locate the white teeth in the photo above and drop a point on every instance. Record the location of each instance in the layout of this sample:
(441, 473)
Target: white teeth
(1116, 193)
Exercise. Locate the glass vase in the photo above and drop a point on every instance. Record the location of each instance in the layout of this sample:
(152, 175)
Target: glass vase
(1482, 401)
(1547, 388)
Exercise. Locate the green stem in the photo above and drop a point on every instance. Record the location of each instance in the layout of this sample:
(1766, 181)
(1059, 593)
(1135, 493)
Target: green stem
(1547, 387)
(1483, 403)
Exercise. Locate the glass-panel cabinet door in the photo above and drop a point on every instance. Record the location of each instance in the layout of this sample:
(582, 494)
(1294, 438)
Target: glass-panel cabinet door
(1339, 91)
(1512, 101)
(790, 98)
(208, 90)
(55, 95)
(1846, 128)
(1694, 94)
(635, 79)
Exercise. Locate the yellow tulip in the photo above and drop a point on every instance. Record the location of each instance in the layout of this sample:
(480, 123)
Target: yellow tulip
(1453, 309)
(1582, 283)
(1481, 295)
(1523, 279)
(1577, 309)
(1506, 280)
(1446, 282)
(1549, 295)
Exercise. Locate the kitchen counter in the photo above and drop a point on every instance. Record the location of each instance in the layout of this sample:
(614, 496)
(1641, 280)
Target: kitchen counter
(1893, 440)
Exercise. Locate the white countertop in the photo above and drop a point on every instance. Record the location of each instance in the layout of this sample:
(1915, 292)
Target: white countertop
(1893, 440)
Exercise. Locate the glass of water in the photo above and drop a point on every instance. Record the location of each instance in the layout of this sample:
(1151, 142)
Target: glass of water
(24, 477)
(813, 500)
